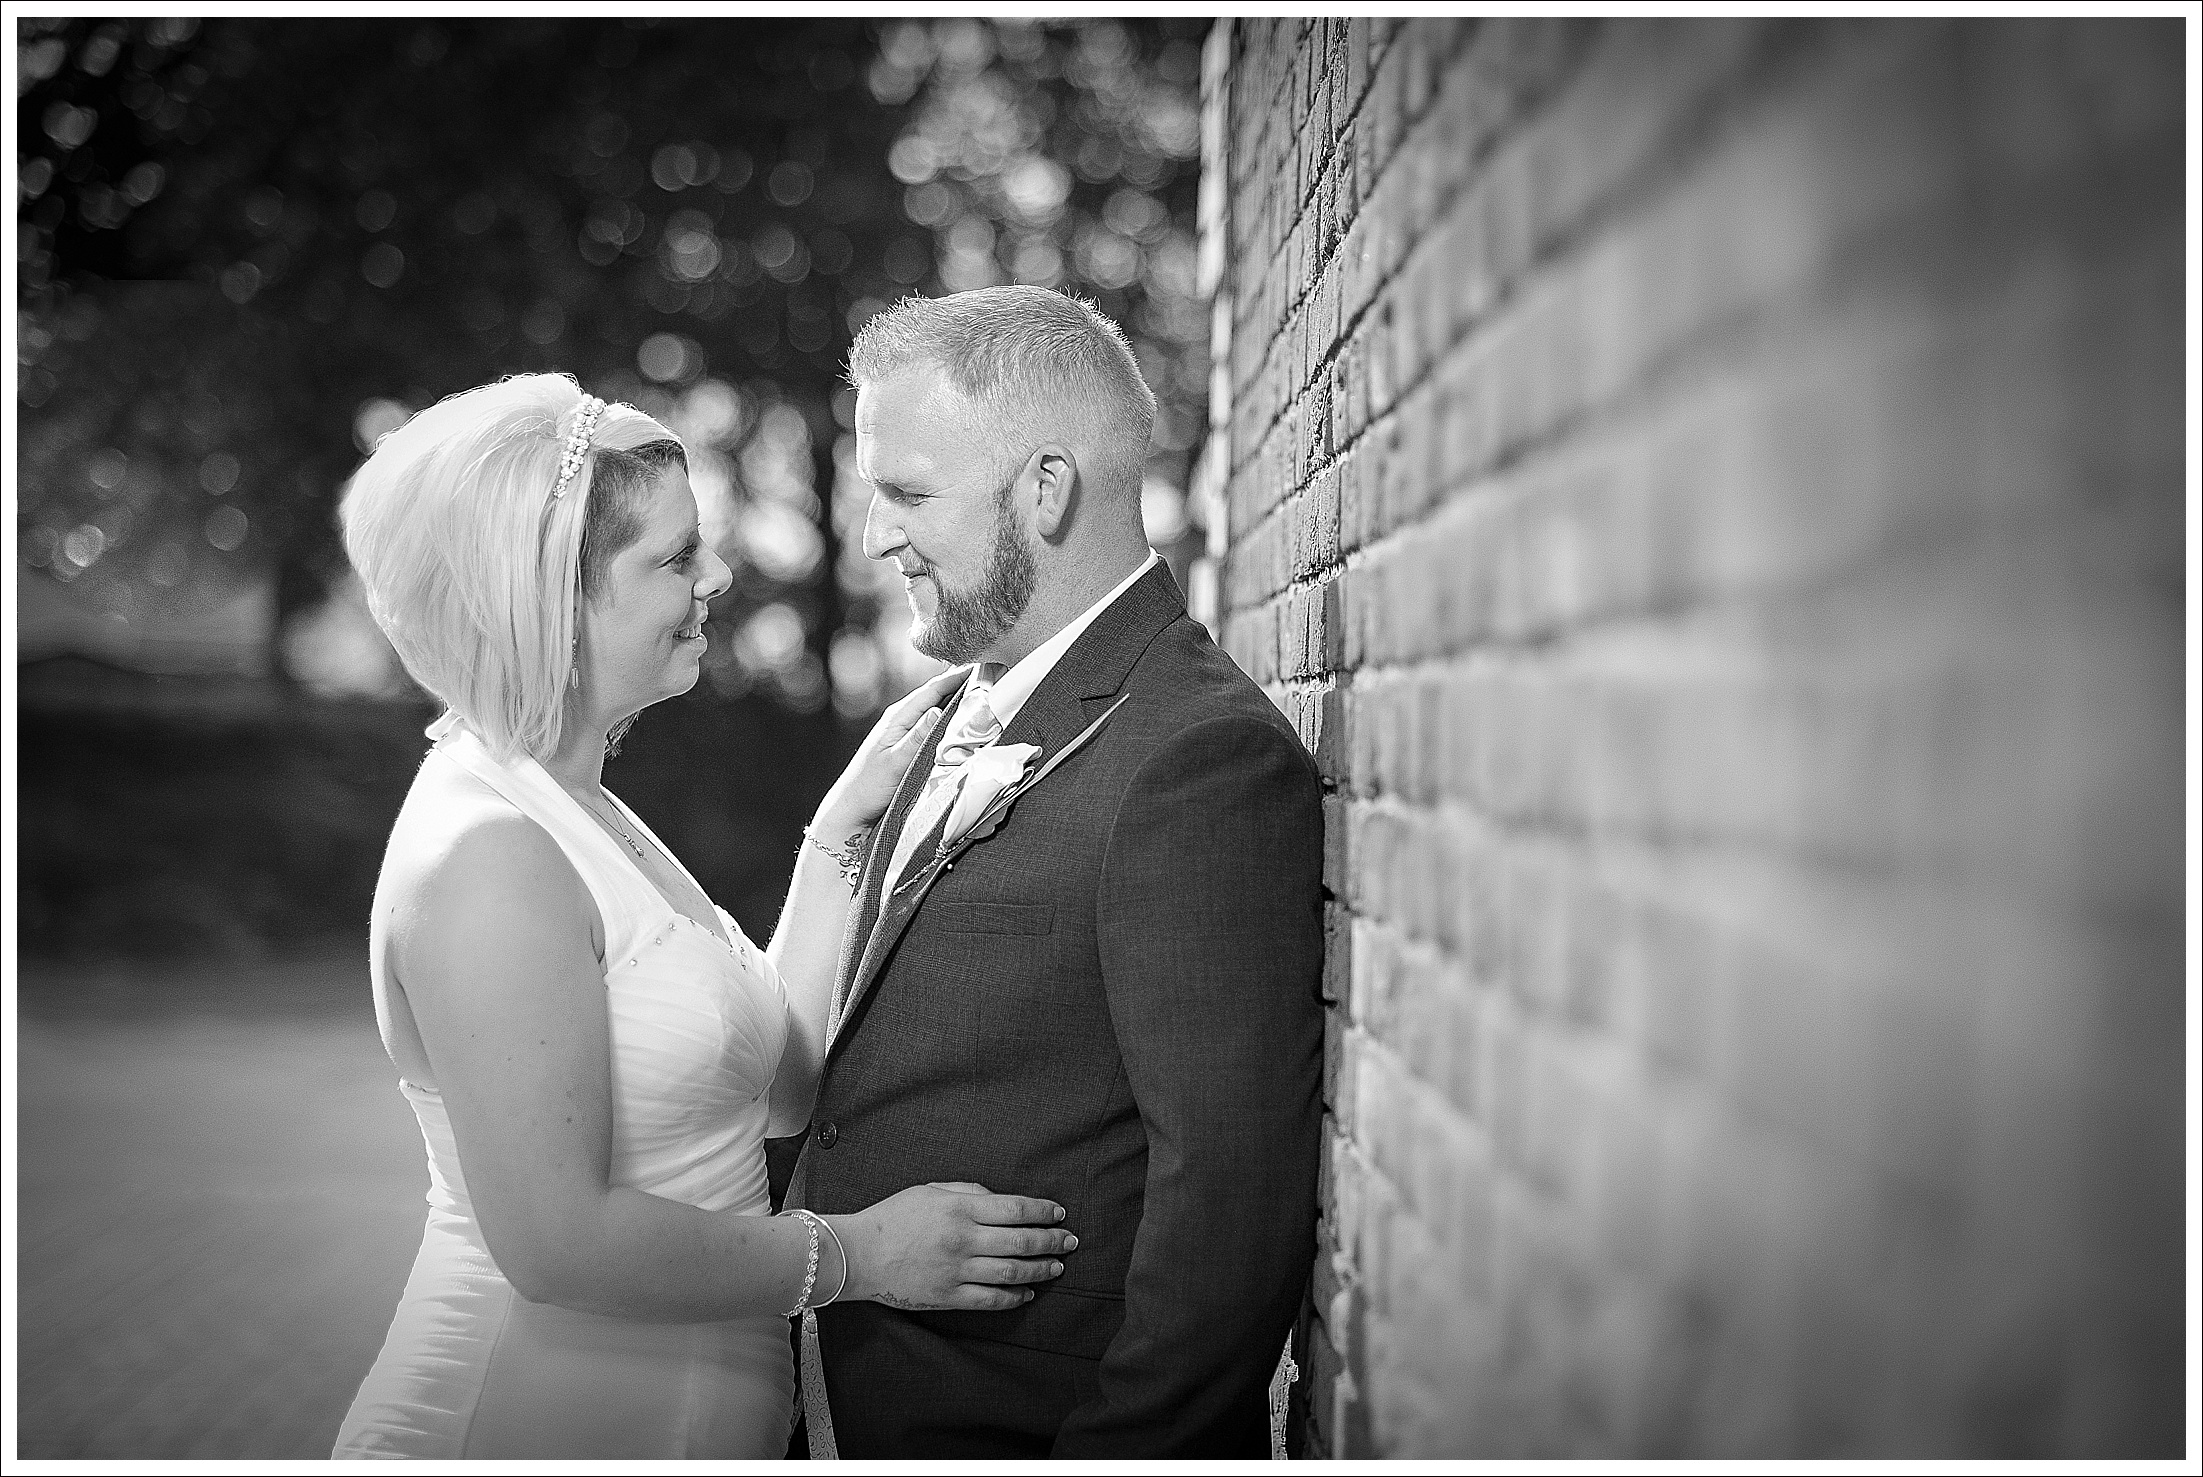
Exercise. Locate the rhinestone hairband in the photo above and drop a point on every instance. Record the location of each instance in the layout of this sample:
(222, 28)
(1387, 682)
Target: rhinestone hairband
(577, 443)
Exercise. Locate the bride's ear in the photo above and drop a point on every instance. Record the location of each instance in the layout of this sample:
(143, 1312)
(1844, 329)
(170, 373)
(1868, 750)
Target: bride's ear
(1054, 474)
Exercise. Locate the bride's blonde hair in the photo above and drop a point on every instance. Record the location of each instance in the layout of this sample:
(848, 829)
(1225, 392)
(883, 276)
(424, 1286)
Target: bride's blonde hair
(473, 569)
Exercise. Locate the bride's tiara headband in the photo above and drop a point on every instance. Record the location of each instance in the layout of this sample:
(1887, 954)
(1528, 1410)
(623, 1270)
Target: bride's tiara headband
(577, 443)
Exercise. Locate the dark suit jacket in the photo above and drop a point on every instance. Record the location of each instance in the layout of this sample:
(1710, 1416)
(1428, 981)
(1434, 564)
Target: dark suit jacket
(1111, 1000)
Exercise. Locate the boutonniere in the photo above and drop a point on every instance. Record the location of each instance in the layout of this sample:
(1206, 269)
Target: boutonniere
(987, 774)
(988, 791)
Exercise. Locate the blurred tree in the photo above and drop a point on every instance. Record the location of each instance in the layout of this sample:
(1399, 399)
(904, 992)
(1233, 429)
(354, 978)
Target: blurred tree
(249, 247)
(1063, 154)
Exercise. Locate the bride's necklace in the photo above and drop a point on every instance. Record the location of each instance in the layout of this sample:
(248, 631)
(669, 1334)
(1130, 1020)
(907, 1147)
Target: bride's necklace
(613, 821)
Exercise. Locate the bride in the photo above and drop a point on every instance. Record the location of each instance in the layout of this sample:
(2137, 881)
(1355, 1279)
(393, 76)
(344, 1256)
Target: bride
(594, 1051)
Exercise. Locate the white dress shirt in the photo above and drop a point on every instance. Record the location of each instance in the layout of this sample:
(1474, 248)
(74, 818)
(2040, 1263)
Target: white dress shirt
(1007, 692)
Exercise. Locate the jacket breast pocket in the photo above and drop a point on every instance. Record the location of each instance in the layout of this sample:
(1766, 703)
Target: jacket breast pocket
(995, 918)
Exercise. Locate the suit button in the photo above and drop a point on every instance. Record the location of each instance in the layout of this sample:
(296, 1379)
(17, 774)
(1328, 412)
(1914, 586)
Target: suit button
(828, 1135)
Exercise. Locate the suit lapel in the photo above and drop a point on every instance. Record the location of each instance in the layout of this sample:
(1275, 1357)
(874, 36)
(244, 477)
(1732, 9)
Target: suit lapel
(1095, 667)
(873, 881)
(1081, 688)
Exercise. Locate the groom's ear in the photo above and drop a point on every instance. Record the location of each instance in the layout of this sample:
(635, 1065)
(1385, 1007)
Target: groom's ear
(1054, 474)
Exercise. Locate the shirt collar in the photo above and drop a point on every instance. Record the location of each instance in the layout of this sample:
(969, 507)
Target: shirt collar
(1007, 692)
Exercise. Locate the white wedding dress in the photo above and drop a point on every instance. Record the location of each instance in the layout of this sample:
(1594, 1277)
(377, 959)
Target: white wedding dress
(473, 1370)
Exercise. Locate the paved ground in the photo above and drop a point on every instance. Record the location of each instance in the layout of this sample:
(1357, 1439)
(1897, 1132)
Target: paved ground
(219, 1192)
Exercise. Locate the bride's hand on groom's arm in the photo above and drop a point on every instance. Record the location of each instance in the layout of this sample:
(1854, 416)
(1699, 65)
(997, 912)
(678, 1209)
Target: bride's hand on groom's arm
(943, 1246)
(860, 797)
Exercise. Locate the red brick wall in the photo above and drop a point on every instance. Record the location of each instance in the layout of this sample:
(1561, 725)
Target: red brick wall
(1710, 494)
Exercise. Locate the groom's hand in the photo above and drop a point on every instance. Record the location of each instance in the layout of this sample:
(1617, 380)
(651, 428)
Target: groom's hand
(953, 1246)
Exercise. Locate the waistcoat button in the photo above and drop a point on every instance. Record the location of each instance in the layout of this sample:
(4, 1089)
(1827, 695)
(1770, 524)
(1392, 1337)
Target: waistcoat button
(827, 1135)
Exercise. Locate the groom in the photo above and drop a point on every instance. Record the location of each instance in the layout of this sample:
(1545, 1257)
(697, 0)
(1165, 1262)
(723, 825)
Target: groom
(1085, 953)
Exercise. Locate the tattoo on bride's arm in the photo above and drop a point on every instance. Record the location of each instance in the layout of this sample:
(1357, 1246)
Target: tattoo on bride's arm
(911, 1305)
(848, 858)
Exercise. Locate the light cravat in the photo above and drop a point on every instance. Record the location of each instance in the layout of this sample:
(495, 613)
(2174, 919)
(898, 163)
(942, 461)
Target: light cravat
(971, 728)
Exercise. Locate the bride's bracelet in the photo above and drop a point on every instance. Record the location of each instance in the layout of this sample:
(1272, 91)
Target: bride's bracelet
(810, 1267)
(840, 1251)
(848, 859)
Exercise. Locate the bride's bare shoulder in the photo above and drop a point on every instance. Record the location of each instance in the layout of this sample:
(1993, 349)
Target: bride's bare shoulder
(459, 848)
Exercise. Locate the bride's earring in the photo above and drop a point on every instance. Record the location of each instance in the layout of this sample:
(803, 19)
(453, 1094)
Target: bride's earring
(573, 673)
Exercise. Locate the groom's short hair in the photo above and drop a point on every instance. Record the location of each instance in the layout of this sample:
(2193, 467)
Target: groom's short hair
(1018, 352)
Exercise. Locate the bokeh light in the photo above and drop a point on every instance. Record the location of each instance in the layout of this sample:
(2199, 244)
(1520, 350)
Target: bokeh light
(251, 248)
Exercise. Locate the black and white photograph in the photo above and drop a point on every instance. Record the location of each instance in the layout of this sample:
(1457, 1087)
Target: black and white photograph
(1058, 737)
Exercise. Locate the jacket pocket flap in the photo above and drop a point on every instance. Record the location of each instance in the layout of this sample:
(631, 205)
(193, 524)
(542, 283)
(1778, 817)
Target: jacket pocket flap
(967, 917)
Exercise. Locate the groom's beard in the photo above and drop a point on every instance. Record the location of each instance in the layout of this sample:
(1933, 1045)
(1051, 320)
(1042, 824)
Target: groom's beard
(967, 622)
